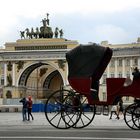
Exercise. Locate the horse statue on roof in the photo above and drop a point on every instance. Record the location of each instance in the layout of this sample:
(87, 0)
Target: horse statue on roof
(22, 34)
(45, 30)
(28, 33)
(61, 33)
(56, 32)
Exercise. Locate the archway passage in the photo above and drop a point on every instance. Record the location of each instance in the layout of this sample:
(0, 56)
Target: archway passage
(52, 83)
(38, 85)
(25, 75)
(53, 80)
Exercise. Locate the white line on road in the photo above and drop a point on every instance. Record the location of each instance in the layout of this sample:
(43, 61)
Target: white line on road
(72, 138)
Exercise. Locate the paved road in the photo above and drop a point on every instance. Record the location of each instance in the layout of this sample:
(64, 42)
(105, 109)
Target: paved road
(70, 134)
(12, 127)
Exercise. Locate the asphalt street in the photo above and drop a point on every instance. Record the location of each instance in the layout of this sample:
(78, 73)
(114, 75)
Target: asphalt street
(12, 127)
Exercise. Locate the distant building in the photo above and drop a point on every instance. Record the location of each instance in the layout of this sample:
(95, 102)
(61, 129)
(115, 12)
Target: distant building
(125, 56)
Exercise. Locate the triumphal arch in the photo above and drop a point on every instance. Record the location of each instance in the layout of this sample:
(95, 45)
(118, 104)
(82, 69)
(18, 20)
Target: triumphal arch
(35, 64)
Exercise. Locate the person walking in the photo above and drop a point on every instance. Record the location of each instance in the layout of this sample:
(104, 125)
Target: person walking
(30, 103)
(120, 112)
(114, 110)
(24, 108)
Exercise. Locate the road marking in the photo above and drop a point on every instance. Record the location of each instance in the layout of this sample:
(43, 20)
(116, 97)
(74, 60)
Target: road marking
(75, 138)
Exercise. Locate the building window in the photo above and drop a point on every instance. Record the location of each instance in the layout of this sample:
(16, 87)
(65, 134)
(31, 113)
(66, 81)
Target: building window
(112, 75)
(104, 96)
(120, 62)
(128, 74)
(112, 63)
(104, 78)
(135, 61)
(2, 81)
(120, 75)
(127, 98)
(127, 62)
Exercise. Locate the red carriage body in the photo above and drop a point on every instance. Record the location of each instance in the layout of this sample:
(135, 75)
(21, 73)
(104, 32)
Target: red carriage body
(86, 64)
(116, 86)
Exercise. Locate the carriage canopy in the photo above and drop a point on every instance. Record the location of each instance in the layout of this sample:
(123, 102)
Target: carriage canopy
(88, 60)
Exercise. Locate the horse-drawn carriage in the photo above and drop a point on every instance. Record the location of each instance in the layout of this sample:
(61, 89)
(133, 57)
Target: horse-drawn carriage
(77, 107)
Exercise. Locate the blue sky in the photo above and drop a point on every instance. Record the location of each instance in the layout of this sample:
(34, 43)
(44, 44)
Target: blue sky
(117, 21)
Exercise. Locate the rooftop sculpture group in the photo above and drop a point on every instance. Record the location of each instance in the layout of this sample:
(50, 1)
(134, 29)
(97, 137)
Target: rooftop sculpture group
(44, 31)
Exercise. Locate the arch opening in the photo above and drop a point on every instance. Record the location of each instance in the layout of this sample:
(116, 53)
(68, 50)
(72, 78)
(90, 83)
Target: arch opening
(40, 80)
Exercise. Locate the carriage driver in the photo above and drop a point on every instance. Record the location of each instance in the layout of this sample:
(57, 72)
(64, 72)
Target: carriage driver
(136, 73)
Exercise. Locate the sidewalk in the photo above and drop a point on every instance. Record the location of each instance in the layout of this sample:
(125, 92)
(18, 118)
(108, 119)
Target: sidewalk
(100, 121)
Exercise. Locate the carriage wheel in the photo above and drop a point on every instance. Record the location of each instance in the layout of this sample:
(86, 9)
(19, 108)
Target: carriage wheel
(136, 116)
(128, 116)
(60, 110)
(88, 113)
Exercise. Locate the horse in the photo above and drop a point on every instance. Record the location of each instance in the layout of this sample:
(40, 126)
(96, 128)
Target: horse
(28, 33)
(56, 32)
(37, 33)
(22, 34)
(61, 33)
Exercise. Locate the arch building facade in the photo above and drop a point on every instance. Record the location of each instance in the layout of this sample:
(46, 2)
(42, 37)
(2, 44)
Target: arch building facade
(35, 67)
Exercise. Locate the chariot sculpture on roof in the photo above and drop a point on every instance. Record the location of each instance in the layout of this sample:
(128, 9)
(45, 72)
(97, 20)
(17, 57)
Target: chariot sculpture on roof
(45, 31)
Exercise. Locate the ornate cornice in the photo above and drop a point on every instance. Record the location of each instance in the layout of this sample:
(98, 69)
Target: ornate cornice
(33, 55)
(125, 52)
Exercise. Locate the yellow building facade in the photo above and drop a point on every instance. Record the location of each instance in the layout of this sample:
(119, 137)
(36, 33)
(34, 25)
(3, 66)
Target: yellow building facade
(38, 67)
(35, 67)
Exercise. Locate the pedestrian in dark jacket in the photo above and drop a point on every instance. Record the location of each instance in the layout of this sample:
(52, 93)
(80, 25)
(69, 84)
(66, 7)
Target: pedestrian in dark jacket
(30, 103)
(121, 108)
(24, 108)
